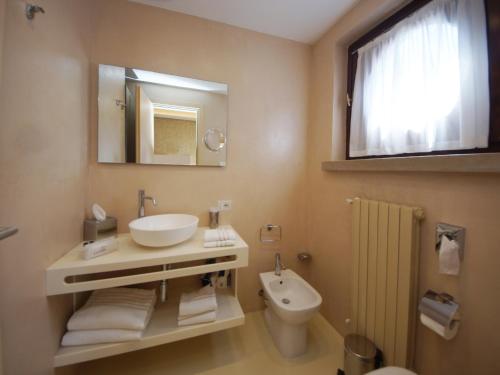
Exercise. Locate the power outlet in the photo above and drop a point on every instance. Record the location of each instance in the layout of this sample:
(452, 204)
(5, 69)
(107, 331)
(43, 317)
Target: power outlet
(225, 205)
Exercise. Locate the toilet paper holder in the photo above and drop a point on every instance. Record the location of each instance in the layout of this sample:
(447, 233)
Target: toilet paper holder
(449, 299)
(439, 312)
(452, 232)
(440, 298)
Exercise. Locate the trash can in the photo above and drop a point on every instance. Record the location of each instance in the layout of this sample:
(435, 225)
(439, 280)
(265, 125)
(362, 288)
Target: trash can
(359, 355)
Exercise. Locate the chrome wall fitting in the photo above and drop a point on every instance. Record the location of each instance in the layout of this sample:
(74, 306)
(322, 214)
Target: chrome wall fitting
(7, 232)
(270, 233)
(31, 10)
(304, 256)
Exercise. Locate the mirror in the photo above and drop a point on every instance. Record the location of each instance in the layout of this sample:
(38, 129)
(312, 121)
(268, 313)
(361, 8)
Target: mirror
(154, 118)
(214, 139)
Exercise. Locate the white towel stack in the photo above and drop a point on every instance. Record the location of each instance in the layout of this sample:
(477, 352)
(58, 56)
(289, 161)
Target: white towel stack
(111, 315)
(198, 307)
(219, 237)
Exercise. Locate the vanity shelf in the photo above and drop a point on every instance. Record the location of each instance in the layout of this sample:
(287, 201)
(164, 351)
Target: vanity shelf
(72, 273)
(162, 329)
(134, 264)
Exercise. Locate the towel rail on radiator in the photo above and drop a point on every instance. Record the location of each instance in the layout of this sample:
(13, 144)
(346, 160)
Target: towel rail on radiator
(385, 244)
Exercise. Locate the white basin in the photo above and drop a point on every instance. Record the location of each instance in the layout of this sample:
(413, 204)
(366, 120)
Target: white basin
(163, 230)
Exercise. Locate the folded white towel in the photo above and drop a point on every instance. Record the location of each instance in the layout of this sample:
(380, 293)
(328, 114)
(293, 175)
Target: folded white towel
(219, 243)
(115, 308)
(220, 234)
(197, 319)
(99, 336)
(198, 302)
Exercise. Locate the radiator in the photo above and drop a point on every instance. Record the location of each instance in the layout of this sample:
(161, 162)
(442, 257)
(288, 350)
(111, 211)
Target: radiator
(385, 247)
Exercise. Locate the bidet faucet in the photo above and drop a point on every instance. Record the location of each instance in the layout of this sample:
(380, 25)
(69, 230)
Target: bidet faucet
(278, 266)
(142, 198)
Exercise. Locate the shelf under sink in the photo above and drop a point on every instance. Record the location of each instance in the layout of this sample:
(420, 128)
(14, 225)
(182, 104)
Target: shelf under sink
(162, 329)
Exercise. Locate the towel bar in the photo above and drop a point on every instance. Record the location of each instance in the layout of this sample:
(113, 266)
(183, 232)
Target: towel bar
(7, 232)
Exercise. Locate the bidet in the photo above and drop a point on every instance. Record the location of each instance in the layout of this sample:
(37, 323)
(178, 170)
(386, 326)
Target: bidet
(291, 302)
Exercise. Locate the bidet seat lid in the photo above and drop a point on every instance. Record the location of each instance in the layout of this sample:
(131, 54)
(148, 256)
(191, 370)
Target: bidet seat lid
(360, 347)
(391, 371)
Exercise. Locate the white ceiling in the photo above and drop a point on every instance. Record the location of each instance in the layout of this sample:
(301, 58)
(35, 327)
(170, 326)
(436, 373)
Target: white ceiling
(300, 20)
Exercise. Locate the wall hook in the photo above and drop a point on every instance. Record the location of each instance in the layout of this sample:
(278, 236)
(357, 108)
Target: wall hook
(32, 9)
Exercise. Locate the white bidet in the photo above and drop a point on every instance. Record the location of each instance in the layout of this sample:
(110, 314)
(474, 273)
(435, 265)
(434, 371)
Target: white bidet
(291, 302)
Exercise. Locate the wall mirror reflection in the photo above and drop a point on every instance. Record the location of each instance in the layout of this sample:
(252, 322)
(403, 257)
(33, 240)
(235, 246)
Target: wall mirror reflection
(154, 118)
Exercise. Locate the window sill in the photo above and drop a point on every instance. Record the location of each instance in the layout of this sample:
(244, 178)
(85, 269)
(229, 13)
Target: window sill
(476, 163)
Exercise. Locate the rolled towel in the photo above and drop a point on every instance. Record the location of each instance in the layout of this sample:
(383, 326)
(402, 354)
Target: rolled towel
(100, 247)
(99, 336)
(220, 234)
(198, 302)
(197, 319)
(219, 243)
(115, 308)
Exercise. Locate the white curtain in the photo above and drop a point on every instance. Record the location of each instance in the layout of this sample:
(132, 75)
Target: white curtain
(423, 85)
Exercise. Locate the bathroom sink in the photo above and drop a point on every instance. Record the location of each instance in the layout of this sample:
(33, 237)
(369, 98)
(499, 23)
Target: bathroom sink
(163, 230)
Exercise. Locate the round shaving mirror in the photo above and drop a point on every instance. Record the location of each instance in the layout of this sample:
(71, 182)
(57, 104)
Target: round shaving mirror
(214, 139)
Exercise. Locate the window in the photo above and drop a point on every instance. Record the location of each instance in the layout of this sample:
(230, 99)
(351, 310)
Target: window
(419, 83)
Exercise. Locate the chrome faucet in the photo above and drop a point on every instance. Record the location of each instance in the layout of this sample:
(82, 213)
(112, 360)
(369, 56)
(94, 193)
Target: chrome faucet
(142, 198)
(278, 266)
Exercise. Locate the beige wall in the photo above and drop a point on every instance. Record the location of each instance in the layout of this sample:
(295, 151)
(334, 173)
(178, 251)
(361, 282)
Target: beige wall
(472, 201)
(2, 27)
(43, 148)
(268, 90)
(2, 24)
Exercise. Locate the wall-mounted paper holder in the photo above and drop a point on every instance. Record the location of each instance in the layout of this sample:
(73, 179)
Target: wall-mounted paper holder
(440, 313)
(454, 233)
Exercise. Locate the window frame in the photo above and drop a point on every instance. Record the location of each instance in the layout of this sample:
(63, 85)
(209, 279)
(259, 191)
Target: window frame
(493, 33)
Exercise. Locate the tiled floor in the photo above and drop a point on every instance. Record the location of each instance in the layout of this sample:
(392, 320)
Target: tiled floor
(239, 351)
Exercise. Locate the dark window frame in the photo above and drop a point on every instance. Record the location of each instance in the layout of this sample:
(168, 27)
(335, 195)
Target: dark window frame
(493, 24)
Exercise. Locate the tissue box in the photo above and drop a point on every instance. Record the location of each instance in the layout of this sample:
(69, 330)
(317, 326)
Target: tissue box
(94, 230)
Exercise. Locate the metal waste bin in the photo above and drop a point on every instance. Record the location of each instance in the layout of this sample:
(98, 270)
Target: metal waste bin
(359, 355)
